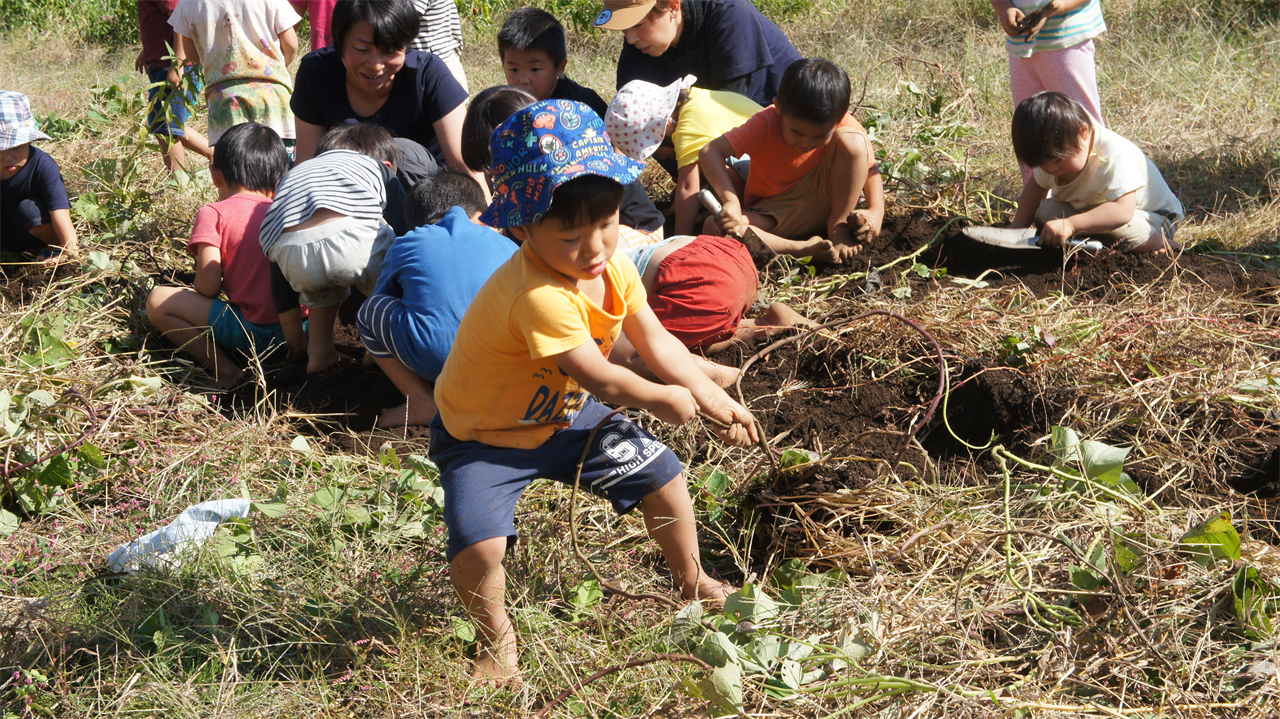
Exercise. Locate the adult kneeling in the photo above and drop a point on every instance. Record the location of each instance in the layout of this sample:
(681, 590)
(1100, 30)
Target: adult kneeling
(725, 44)
(369, 75)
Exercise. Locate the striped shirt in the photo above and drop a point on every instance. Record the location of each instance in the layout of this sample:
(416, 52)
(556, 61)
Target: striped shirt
(346, 182)
(439, 28)
(1060, 31)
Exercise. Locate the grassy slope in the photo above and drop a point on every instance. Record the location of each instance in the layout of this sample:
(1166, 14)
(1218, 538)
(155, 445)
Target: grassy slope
(347, 623)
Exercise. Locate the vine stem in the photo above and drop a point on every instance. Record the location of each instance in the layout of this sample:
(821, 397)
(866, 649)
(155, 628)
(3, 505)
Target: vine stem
(546, 708)
(6, 471)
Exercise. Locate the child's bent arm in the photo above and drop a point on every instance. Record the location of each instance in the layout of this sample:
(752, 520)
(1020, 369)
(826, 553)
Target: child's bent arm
(670, 360)
(688, 182)
(1032, 195)
(711, 162)
(65, 231)
(621, 386)
(208, 270)
(289, 45)
(185, 50)
(1103, 218)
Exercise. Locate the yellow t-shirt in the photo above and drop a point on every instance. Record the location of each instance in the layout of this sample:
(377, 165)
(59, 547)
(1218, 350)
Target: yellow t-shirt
(708, 114)
(497, 386)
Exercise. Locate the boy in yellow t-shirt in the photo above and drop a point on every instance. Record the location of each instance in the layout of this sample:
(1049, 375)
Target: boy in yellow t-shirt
(514, 396)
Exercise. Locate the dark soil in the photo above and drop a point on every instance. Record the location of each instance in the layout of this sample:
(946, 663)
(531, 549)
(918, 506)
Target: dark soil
(23, 281)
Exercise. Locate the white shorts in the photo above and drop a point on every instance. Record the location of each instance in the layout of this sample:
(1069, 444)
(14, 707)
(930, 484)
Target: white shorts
(322, 263)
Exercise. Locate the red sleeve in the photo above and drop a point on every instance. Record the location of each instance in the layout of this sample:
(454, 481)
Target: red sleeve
(205, 230)
(751, 137)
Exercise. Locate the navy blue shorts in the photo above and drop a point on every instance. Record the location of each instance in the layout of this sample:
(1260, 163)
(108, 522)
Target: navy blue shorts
(482, 482)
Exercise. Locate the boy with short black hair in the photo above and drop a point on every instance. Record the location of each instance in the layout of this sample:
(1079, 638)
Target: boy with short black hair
(248, 162)
(515, 393)
(810, 163)
(35, 213)
(1103, 185)
(428, 279)
(325, 233)
(534, 55)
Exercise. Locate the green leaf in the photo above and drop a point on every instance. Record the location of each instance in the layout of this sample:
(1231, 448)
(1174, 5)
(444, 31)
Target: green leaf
(796, 458)
(300, 444)
(788, 573)
(57, 473)
(717, 650)
(9, 522)
(1065, 445)
(717, 483)
(723, 688)
(387, 457)
(751, 604)
(766, 649)
(587, 594)
(791, 674)
(42, 397)
(686, 622)
(99, 260)
(1255, 600)
(90, 453)
(329, 497)
(854, 644)
(1085, 578)
(272, 510)
(901, 293)
(463, 629)
(1217, 536)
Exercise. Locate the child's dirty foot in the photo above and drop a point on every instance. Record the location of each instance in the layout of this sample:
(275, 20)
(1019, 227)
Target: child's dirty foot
(419, 415)
(822, 251)
(712, 589)
(319, 363)
(496, 671)
(723, 375)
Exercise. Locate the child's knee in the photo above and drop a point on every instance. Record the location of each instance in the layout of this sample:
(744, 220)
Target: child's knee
(710, 227)
(155, 299)
(484, 555)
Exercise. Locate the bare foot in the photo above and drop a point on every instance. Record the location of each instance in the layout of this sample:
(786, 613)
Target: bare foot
(319, 363)
(712, 589)
(822, 251)
(418, 414)
(496, 670)
(723, 375)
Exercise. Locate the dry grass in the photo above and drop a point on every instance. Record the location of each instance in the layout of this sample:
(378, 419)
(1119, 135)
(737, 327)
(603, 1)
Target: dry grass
(948, 566)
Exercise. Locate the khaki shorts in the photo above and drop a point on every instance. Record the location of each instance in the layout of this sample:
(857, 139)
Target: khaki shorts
(1127, 237)
(323, 263)
(802, 210)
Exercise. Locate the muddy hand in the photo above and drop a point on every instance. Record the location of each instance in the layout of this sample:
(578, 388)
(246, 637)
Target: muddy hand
(863, 226)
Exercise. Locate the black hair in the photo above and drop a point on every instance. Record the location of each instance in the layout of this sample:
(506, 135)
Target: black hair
(530, 28)
(434, 195)
(366, 138)
(814, 90)
(251, 156)
(394, 22)
(585, 199)
(1046, 127)
(489, 108)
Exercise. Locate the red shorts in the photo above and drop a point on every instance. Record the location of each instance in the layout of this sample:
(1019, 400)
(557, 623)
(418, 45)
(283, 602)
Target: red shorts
(702, 290)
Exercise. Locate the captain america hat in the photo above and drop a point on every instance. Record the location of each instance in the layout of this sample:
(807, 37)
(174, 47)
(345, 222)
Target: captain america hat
(17, 126)
(622, 14)
(542, 147)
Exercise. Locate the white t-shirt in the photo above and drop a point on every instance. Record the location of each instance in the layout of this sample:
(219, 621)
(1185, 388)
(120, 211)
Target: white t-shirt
(1115, 168)
(237, 39)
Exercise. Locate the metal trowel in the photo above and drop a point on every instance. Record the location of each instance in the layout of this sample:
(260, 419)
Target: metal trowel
(1019, 239)
(761, 253)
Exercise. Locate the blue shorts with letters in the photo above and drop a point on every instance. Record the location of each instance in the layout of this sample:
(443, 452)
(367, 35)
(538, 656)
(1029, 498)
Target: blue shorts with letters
(482, 482)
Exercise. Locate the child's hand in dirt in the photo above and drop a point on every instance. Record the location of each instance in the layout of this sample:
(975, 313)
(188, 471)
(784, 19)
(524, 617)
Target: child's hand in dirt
(864, 225)
(677, 407)
(741, 431)
(1055, 233)
(731, 221)
(1009, 20)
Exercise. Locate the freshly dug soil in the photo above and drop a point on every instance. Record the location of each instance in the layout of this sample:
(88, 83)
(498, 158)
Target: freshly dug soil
(21, 282)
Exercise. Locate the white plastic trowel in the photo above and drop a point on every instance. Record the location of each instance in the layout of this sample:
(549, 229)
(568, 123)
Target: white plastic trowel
(1020, 239)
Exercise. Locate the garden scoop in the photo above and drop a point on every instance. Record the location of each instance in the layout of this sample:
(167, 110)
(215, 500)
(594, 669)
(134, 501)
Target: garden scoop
(761, 253)
(1022, 239)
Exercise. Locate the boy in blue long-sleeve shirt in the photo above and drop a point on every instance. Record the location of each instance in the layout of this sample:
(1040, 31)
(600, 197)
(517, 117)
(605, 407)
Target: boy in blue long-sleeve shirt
(429, 278)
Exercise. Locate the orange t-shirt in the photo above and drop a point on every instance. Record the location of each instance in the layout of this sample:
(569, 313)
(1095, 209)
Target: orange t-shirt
(775, 165)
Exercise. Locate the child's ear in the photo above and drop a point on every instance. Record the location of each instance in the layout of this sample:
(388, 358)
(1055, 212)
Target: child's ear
(564, 64)
(218, 179)
(520, 232)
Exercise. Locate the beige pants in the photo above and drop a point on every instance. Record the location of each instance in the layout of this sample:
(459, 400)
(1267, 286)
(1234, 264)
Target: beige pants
(1127, 237)
(802, 210)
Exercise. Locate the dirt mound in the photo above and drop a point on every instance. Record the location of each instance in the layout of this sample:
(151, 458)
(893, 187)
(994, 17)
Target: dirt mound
(21, 282)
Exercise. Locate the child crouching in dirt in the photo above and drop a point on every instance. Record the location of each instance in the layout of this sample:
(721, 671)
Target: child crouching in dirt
(248, 162)
(326, 233)
(700, 289)
(810, 162)
(429, 278)
(1103, 186)
(514, 396)
(35, 213)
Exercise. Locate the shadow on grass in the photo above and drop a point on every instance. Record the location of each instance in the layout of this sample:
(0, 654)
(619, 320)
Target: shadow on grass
(1229, 178)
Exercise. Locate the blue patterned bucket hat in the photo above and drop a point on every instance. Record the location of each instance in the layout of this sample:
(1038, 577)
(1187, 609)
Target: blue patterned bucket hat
(17, 126)
(542, 147)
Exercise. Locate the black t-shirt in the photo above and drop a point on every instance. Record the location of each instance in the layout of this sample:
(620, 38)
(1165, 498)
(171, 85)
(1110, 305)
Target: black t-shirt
(423, 92)
(726, 44)
(638, 210)
(39, 180)
(567, 89)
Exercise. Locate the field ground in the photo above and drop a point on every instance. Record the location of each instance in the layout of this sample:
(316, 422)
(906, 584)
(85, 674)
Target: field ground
(1065, 507)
